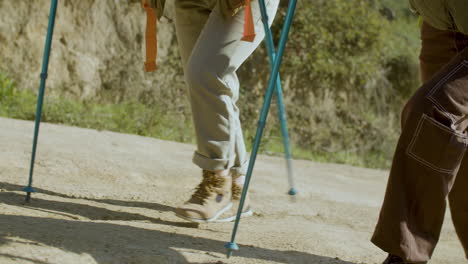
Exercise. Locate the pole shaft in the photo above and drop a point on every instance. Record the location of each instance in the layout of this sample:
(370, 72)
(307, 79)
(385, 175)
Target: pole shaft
(40, 98)
(266, 106)
(279, 92)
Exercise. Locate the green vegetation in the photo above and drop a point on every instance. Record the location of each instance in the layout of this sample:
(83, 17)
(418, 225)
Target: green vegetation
(348, 71)
(128, 116)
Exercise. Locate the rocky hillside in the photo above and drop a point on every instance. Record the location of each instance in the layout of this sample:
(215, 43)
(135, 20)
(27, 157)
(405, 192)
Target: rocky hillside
(97, 50)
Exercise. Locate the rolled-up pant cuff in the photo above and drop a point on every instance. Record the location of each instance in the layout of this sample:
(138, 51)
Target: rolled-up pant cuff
(210, 164)
(380, 241)
(240, 171)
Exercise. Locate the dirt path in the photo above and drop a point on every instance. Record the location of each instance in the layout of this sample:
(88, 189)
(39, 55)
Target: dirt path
(108, 198)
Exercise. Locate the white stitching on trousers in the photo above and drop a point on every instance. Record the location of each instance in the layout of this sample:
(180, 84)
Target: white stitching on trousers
(438, 85)
(410, 152)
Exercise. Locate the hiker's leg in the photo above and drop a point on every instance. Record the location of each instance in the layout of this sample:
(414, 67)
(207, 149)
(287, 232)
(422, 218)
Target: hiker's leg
(190, 18)
(438, 48)
(427, 159)
(459, 204)
(458, 196)
(210, 63)
(214, 87)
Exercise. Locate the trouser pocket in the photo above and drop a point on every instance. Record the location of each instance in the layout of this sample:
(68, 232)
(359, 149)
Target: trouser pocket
(437, 146)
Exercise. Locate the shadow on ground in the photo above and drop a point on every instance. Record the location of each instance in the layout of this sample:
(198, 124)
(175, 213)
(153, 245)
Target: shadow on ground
(119, 243)
(151, 206)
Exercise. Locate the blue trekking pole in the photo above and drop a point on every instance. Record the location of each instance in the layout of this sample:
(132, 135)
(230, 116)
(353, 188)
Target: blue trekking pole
(279, 97)
(40, 99)
(232, 246)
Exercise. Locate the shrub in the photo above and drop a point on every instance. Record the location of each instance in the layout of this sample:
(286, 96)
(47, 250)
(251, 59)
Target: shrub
(345, 80)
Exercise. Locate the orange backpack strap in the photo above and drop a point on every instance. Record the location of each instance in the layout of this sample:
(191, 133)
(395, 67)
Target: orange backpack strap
(151, 37)
(249, 28)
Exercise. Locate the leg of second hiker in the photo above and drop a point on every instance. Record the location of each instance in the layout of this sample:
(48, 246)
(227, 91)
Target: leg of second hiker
(438, 48)
(427, 159)
(458, 196)
(459, 204)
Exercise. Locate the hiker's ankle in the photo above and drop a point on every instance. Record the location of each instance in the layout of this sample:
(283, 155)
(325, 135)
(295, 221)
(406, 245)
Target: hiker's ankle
(222, 173)
(239, 181)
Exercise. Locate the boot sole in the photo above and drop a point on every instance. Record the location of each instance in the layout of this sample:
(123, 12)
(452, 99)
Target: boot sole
(210, 220)
(247, 213)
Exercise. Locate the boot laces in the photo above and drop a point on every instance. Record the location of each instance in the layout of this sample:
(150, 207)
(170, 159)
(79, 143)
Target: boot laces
(210, 183)
(236, 192)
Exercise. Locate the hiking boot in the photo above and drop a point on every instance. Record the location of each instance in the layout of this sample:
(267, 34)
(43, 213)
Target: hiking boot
(231, 214)
(393, 259)
(210, 200)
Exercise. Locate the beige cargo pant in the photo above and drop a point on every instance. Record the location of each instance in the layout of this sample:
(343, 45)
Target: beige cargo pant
(212, 51)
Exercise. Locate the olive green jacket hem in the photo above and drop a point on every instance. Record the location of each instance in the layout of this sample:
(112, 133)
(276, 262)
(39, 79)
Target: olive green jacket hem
(443, 14)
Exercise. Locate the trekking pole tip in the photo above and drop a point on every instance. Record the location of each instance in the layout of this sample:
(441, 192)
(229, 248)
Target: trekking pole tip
(28, 191)
(231, 247)
(293, 192)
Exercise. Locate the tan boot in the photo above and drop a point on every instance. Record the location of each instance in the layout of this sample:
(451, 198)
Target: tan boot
(211, 199)
(231, 214)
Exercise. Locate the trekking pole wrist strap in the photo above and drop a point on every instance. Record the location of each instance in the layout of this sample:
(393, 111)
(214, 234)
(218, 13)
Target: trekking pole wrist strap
(151, 37)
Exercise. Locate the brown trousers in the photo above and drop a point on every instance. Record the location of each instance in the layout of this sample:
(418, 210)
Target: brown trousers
(430, 164)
